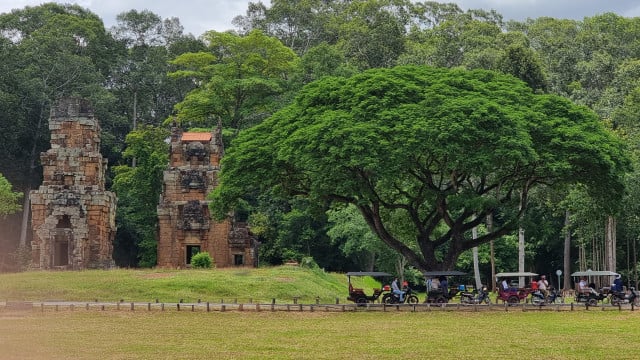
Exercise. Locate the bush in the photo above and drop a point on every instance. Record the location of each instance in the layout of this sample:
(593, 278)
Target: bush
(308, 262)
(201, 260)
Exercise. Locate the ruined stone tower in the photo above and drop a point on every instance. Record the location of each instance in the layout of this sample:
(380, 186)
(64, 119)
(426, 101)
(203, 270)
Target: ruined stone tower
(72, 216)
(185, 226)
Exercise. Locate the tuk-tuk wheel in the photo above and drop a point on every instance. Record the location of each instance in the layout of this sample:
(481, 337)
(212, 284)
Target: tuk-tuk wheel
(361, 300)
(441, 300)
(592, 302)
(513, 299)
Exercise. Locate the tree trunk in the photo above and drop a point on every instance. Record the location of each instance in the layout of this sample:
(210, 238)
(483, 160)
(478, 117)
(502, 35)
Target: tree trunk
(635, 268)
(135, 120)
(476, 264)
(521, 256)
(610, 245)
(492, 254)
(26, 209)
(567, 250)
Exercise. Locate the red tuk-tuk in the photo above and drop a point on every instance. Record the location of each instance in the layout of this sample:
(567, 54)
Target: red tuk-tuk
(513, 294)
(358, 295)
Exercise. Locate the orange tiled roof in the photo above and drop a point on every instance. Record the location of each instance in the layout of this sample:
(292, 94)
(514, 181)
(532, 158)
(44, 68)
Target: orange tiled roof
(196, 136)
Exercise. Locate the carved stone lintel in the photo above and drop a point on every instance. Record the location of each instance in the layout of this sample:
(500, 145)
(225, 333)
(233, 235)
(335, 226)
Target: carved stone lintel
(193, 217)
(193, 179)
(195, 149)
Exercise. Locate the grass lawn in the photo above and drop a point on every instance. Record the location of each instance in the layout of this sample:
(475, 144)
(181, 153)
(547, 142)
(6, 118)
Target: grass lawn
(84, 334)
(142, 334)
(260, 285)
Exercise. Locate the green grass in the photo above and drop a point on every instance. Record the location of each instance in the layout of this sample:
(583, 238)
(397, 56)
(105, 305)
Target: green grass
(44, 333)
(282, 283)
(93, 334)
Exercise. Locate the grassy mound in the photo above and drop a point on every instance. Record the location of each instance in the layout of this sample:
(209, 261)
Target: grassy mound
(259, 285)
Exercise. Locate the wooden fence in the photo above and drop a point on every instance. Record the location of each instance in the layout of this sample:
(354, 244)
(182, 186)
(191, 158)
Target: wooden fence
(223, 306)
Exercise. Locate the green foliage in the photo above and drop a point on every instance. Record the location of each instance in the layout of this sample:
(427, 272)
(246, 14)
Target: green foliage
(307, 262)
(48, 51)
(9, 200)
(425, 154)
(201, 260)
(138, 190)
(240, 77)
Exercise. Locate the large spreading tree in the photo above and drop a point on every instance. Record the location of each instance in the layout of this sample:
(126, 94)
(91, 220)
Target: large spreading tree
(425, 154)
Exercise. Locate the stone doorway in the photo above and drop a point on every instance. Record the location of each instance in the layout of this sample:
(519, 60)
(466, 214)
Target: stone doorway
(191, 251)
(62, 248)
(61, 253)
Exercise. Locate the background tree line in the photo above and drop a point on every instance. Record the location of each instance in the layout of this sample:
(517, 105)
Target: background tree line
(145, 72)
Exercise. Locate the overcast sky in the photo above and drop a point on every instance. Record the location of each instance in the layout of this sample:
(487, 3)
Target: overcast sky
(198, 16)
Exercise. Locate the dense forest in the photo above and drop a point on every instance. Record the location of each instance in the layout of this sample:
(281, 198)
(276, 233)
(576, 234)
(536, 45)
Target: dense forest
(293, 85)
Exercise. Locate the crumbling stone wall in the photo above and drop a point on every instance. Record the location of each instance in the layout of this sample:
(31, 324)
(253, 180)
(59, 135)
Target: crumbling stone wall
(185, 225)
(72, 216)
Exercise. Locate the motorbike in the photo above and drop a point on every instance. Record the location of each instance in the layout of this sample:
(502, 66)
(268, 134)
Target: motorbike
(475, 297)
(591, 297)
(538, 297)
(620, 297)
(392, 298)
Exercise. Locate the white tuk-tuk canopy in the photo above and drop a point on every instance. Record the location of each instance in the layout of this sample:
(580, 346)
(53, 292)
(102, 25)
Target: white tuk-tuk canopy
(514, 274)
(594, 273)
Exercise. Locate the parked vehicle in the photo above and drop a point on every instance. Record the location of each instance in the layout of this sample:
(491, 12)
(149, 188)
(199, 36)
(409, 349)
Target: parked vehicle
(513, 294)
(358, 295)
(592, 295)
(621, 297)
(439, 295)
(475, 297)
(538, 297)
(392, 298)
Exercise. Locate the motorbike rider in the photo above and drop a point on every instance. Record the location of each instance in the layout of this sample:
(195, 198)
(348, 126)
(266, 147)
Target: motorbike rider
(444, 284)
(543, 285)
(617, 284)
(396, 289)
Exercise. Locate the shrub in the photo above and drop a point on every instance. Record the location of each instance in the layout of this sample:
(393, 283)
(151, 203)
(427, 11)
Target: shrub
(201, 260)
(309, 263)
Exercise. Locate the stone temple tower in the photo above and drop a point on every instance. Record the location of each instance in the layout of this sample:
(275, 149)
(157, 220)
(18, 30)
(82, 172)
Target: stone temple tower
(72, 216)
(185, 226)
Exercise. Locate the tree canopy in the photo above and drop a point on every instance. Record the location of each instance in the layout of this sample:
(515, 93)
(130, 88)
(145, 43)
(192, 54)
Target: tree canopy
(425, 154)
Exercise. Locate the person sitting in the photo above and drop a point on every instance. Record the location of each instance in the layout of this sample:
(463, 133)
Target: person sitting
(534, 285)
(444, 285)
(505, 285)
(543, 284)
(582, 285)
(617, 284)
(396, 289)
(435, 284)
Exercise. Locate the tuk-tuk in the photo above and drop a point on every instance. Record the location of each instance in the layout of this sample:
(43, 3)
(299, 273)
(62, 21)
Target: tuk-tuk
(439, 295)
(513, 294)
(594, 292)
(358, 295)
